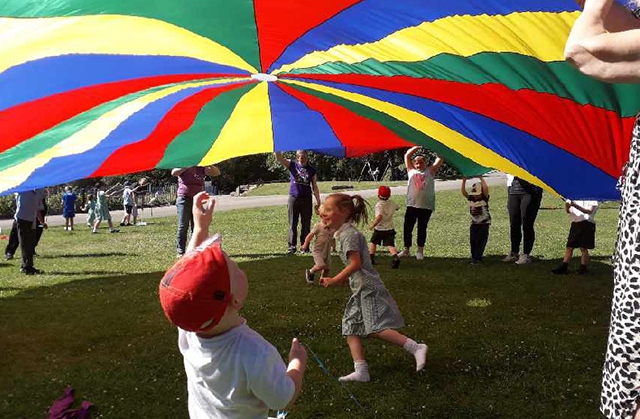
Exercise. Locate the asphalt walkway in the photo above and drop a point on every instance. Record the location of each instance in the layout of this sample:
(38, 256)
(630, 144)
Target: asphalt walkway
(227, 202)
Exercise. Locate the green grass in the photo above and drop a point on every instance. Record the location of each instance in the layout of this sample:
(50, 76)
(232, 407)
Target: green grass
(505, 341)
(282, 188)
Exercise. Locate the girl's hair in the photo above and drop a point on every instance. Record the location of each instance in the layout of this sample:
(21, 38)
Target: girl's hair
(354, 205)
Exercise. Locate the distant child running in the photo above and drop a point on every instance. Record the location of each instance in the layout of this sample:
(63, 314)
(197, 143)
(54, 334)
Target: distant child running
(128, 203)
(478, 199)
(371, 310)
(321, 249)
(232, 371)
(90, 208)
(68, 207)
(102, 211)
(382, 226)
(582, 234)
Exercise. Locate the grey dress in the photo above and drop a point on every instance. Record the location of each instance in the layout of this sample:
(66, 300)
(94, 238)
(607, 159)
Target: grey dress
(370, 308)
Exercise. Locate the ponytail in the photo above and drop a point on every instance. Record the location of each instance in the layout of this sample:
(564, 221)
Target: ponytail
(355, 206)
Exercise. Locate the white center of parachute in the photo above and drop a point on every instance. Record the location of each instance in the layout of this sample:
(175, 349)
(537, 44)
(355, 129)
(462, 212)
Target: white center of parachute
(264, 77)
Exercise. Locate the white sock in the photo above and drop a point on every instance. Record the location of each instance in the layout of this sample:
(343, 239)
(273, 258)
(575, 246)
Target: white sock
(419, 352)
(361, 372)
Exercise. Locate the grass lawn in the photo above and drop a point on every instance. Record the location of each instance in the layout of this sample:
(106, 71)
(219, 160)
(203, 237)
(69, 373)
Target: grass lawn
(282, 188)
(505, 341)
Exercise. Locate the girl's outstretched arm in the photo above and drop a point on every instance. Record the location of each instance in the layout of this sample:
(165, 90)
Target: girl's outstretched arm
(354, 265)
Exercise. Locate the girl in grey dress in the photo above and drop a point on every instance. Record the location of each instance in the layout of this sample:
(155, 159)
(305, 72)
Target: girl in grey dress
(371, 310)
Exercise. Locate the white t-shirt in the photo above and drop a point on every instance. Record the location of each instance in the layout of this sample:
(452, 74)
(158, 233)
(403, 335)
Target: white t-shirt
(236, 375)
(575, 215)
(421, 189)
(387, 209)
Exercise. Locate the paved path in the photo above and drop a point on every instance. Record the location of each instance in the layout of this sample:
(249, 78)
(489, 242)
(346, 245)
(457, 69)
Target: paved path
(227, 202)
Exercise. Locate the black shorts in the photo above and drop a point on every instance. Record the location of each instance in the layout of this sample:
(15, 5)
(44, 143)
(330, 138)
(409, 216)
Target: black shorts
(582, 235)
(128, 209)
(386, 237)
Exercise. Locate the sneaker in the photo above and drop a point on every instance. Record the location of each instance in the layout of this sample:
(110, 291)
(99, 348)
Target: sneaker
(473, 262)
(8, 256)
(31, 271)
(419, 255)
(395, 263)
(291, 251)
(405, 253)
(114, 230)
(511, 257)
(523, 259)
(305, 251)
(309, 276)
(122, 224)
(582, 270)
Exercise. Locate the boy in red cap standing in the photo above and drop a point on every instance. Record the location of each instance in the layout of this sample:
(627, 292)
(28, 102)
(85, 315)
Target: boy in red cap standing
(232, 371)
(382, 226)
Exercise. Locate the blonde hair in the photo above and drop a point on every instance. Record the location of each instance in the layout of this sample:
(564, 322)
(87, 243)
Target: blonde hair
(355, 206)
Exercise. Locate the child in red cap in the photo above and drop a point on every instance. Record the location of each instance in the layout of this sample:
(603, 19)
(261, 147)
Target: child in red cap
(382, 226)
(232, 371)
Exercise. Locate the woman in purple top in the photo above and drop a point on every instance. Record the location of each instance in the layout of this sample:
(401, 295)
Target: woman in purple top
(190, 182)
(303, 183)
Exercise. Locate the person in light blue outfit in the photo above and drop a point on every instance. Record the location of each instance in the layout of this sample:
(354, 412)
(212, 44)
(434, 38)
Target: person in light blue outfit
(371, 310)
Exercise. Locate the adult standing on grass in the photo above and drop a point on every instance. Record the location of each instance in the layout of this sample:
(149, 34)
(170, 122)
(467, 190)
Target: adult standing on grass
(605, 44)
(421, 199)
(23, 232)
(190, 183)
(302, 185)
(523, 203)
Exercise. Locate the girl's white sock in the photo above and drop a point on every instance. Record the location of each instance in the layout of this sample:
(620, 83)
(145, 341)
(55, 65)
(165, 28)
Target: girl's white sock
(361, 372)
(419, 352)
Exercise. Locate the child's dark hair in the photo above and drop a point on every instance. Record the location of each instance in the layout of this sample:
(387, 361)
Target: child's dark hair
(355, 206)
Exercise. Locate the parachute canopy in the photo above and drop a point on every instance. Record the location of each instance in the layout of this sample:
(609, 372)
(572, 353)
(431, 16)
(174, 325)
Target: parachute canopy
(96, 88)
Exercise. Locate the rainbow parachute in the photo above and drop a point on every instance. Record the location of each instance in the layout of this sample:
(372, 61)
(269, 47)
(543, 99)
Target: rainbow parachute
(95, 88)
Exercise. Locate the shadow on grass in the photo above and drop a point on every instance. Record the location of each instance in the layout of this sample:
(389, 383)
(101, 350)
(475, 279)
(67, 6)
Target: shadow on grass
(538, 344)
(86, 255)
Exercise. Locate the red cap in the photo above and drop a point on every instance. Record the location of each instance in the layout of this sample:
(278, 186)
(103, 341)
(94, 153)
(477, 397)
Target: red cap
(384, 192)
(195, 291)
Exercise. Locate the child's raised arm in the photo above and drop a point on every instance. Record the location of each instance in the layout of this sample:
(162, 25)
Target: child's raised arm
(203, 205)
(354, 265)
(485, 187)
(463, 187)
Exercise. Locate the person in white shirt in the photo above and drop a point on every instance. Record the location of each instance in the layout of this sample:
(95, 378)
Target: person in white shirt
(421, 199)
(582, 234)
(382, 226)
(232, 371)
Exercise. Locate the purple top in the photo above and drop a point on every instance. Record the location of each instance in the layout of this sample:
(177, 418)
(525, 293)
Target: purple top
(191, 181)
(300, 179)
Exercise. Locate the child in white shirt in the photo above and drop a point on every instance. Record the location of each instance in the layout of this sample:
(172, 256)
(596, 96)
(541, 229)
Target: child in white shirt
(582, 234)
(382, 226)
(232, 371)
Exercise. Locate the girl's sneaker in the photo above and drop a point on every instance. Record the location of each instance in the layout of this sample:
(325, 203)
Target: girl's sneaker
(309, 276)
(511, 257)
(405, 253)
(523, 259)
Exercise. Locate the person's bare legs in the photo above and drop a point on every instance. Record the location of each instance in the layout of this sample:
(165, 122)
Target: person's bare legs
(584, 257)
(361, 368)
(418, 350)
(568, 254)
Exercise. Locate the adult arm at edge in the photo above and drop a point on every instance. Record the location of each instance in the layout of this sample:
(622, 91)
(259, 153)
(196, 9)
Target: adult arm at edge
(316, 190)
(603, 55)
